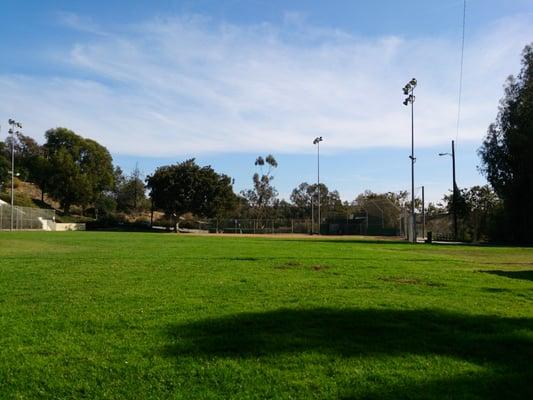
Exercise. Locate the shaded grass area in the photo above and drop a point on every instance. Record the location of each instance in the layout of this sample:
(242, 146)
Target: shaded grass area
(139, 315)
(525, 275)
(496, 343)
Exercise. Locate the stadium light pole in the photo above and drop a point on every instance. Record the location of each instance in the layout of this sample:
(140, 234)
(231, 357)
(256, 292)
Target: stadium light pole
(408, 90)
(317, 142)
(454, 190)
(13, 131)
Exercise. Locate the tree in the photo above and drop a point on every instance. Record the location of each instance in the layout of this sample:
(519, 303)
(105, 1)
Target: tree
(5, 164)
(32, 162)
(484, 207)
(282, 209)
(263, 194)
(41, 172)
(460, 206)
(506, 152)
(305, 196)
(80, 169)
(186, 187)
(130, 194)
(22, 153)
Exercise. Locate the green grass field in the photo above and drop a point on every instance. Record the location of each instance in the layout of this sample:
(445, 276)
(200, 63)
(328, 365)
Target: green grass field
(150, 316)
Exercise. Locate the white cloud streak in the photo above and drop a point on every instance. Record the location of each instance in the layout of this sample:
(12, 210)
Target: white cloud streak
(188, 85)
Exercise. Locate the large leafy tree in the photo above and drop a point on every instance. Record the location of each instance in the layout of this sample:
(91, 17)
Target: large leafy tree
(4, 164)
(186, 187)
(32, 162)
(80, 169)
(506, 152)
(478, 209)
(483, 206)
(27, 150)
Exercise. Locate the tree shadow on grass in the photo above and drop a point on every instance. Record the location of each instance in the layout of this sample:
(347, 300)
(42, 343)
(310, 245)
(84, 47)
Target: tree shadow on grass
(501, 345)
(524, 275)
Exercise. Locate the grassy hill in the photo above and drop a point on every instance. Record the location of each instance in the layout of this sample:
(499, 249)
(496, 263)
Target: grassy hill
(29, 195)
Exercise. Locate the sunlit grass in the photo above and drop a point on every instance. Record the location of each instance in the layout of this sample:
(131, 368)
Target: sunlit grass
(133, 315)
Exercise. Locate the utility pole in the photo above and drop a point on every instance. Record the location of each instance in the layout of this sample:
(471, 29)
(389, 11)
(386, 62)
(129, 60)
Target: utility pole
(408, 90)
(423, 214)
(312, 215)
(454, 193)
(318, 180)
(454, 190)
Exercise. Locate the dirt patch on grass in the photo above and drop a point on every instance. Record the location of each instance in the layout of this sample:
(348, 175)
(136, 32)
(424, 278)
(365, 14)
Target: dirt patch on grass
(404, 281)
(409, 281)
(289, 265)
(297, 265)
(507, 263)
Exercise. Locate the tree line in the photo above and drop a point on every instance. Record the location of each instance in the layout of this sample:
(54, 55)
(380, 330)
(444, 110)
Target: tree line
(77, 171)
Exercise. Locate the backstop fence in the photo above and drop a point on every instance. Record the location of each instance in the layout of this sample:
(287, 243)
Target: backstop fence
(354, 225)
(24, 218)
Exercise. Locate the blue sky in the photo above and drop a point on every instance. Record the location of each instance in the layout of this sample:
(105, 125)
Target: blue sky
(224, 81)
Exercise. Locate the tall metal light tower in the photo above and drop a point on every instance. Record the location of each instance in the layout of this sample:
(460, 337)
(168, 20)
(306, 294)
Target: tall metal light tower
(408, 90)
(13, 131)
(317, 142)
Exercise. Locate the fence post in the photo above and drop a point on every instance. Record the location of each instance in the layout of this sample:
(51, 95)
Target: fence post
(292, 226)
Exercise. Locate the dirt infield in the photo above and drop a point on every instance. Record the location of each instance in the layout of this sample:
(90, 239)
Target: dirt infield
(301, 236)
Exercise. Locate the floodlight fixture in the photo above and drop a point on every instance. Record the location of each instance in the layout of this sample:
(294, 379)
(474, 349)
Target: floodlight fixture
(12, 131)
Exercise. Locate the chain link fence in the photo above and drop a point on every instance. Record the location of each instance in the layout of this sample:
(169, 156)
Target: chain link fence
(353, 225)
(25, 218)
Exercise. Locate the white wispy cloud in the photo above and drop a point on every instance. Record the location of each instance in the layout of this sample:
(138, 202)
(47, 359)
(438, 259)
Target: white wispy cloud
(190, 85)
(79, 23)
